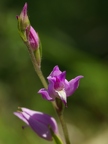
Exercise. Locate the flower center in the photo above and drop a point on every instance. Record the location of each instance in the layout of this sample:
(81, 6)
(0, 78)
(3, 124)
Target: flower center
(58, 84)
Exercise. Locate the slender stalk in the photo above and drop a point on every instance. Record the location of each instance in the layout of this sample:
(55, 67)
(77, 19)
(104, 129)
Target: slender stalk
(36, 67)
(42, 79)
(60, 110)
(64, 127)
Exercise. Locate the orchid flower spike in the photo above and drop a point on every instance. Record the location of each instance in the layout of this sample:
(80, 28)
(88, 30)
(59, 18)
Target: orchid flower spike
(41, 123)
(59, 87)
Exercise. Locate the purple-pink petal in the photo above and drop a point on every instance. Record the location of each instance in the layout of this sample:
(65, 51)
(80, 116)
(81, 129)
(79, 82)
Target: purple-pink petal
(55, 71)
(46, 120)
(20, 116)
(24, 10)
(40, 128)
(45, 94)
(33, 38)
(23, 15)
(73, 85)
(62, 76)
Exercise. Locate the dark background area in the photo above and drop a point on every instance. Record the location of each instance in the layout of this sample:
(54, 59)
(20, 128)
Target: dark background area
(74, 35)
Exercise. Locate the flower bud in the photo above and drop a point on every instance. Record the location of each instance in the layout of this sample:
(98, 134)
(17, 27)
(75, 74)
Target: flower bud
(32, 38)
(23, 20)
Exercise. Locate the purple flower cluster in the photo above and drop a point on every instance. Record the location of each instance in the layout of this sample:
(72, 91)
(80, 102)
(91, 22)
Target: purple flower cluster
(59, 87)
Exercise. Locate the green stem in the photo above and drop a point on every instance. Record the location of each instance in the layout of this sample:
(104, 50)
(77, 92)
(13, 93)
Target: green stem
(36, 67)
(64, 127)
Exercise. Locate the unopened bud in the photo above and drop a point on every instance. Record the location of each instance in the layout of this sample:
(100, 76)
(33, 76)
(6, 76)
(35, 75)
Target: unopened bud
(23, 20)
(32, 38)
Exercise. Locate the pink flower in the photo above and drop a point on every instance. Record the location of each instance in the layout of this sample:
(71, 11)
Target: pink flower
(41, 123)
(59, 87)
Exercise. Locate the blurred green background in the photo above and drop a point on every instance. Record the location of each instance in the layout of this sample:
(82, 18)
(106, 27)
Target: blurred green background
(74, 35)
